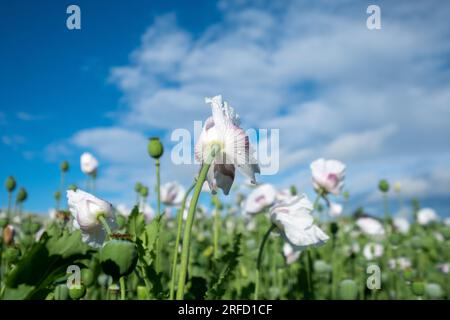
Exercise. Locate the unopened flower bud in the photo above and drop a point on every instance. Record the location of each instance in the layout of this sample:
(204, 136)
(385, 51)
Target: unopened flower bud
(383, 185)
(64, 166)
(72, 187)
(348, 290)
(10, 184)
(155, 148)
(22, 195)
(137, 187)
(293, 190)
(77, 292)
(87, 277)
(57, 195)
(144, 192)
(418, 288)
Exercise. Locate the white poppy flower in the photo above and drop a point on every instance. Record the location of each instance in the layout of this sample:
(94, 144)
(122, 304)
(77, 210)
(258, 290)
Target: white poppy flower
(439, 237)
(335, 209)
(328, 175)
(447, 222)
(52, 214)
(283, 194)
(260, 198)
(148, 212)
(172, 193)
(123, 210)
(370, 226)
(401, 224)
(444, 267)
(401, 263)
(88, 163)
(373, 250)
(290, 254)
(294, 220)
(85, 209)
(426, 216)
(223, 129)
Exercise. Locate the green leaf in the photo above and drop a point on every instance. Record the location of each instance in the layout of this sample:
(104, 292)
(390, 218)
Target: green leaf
(136, 223)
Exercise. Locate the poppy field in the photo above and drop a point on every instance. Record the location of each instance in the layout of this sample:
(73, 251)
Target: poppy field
(220, 238)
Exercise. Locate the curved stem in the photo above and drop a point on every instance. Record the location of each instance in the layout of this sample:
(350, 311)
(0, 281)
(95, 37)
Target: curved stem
(122, 288)
(177, 242)
(105, 224)
(258, 262)
(190, 220)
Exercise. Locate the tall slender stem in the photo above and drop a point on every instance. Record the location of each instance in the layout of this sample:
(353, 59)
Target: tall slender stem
(216, 233)
(105, 224)
(258, 262)
(9, 204)
(190, 220)
(122, 288)
(159, 216)
(177, 242)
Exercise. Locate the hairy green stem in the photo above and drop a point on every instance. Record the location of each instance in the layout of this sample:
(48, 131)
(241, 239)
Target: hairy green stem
(122, 288)
(105, 224)
(190, 220)
(258, 262)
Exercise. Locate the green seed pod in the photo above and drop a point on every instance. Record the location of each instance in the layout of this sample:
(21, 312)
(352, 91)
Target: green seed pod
(383, 185)
(72, 187)
(61, 292)
(118, 257)
(144, 192)
(418, 288)
(155, 148)
(87, 277)
(77, 292)
(293, 190)
(64, 166)
(142, 293)
(348, 290)
(10, 184)
(321, 266)
(57, 195)
(137, 187)
(22, 195)
(434, 291)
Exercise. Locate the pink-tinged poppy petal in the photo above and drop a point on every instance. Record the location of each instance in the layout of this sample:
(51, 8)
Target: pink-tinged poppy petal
(224, 176)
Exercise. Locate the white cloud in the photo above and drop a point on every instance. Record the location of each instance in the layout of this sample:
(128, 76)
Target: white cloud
(332, 87)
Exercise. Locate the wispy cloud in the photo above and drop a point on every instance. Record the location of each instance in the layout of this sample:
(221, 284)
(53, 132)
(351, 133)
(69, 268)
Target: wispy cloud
(26, 116)
(332, 87)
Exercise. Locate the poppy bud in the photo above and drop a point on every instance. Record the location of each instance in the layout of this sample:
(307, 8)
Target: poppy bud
(87, 277)
(383, 185)
(8, 235)
(137, 187)
(144, 192)
(72, 187)
(293, 190)
(155, 148)
(22, 195)
(61, 292)
(10, 184)
(77, 292)
(64, 166)
(418, 288)
(57, 195)
(321, 267)
(118, 257)
(348, 290)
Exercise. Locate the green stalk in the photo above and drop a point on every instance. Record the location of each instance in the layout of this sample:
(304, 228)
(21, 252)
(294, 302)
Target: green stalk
(216, 233)
(190, 220)
(122, 288)
(159, 216)
(177, 243)
(105, 224)
(258, 262)
(9, 205)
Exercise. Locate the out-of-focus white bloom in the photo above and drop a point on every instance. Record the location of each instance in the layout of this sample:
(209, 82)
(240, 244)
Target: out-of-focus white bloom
(52, 214)
(283, 194)
(294, 220)
(39, 234)
(373, 250)
(351, 249)
(172, 193)
(335, 209)
(3, 215)
(426, 216)
(447, 222)
(223, 129)
(17, 220)
(444, 267)
(230, 224)
(401, 263)
(401, 224)
(250, 225)
(439, 237)
(85, 209)
(328, 175)
(290, 254)
(88, 163)
(148, 212)
(370, 226)
(397, 187)
(260, 198)
(123, 210)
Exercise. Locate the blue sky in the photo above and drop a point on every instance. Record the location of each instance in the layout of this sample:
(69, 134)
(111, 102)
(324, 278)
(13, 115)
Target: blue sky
(378, 100)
